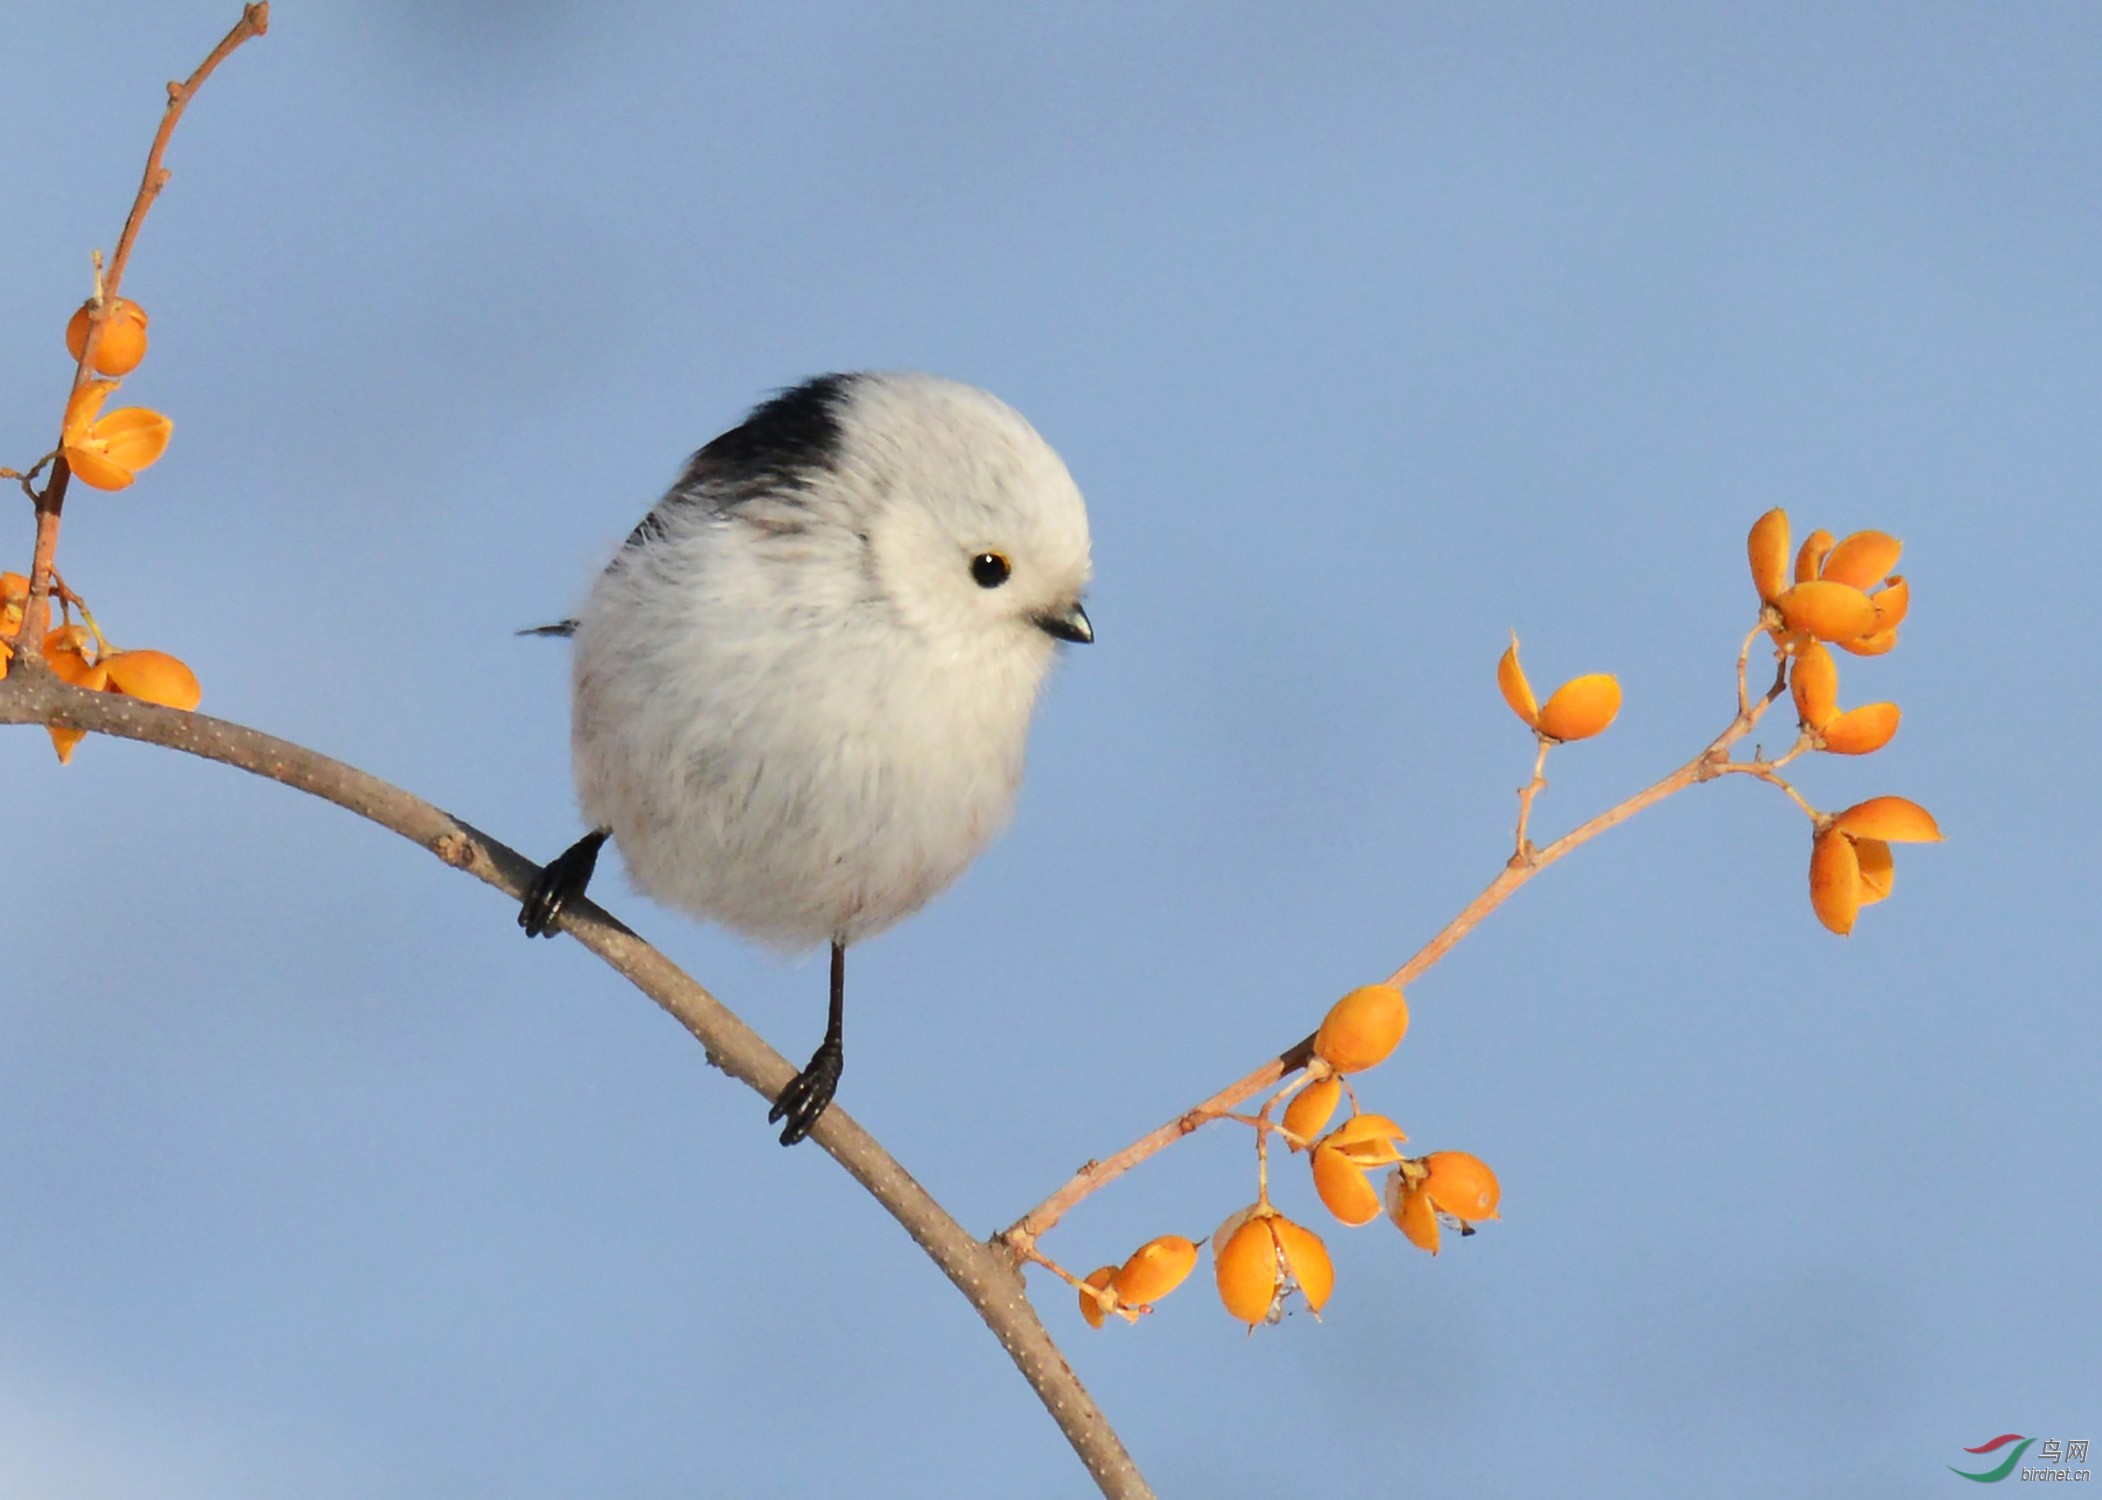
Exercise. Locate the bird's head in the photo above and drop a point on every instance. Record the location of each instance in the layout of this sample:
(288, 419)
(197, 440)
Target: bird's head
(977, 535)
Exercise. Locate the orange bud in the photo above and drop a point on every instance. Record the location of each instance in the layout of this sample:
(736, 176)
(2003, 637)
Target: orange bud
(1311, 1107)
(1091, 1307)
(1155, 1269)
(1892, 819)
(14, 590)
(1768, 548)
(1814, 681)
(1363, 1028)
(1510, 678)
(1828, 611)
(1581, 707)
(1878, 872)
(1812, 557)
(1461, 1185)
(1862, 559)
(1835, 881)
(122, 343)
(154, 676)
(64, 741)
(1861, 731)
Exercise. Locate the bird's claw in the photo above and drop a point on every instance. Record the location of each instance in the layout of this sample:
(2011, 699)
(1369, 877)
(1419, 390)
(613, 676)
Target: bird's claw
(804, 1100)
(562, 881)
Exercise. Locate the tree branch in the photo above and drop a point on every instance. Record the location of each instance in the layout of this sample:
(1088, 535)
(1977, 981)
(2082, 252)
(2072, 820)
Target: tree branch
(51, 503)
(1523, 866)
(985, 1273)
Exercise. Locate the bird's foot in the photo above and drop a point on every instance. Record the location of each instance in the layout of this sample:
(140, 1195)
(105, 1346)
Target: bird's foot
(562, 882)
(808, 1093)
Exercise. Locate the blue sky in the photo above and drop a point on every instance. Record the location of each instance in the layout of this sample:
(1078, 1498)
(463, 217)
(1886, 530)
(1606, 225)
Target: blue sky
(1371, 333)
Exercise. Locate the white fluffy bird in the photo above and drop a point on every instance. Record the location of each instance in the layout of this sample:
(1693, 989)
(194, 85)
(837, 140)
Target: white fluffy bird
(802, 689)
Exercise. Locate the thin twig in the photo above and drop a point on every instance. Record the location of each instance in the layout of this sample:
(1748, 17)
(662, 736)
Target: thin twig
(986, 1274)
(1768, 771)
(255, 20)
(1526, 794)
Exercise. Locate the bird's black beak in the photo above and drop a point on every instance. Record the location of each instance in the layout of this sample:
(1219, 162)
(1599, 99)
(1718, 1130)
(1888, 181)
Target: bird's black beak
(1068, 624)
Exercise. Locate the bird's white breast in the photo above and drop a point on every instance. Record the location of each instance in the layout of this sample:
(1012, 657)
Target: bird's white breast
(773, 752)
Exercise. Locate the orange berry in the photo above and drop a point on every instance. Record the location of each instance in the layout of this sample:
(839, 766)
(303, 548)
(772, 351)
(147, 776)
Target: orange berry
(1864, 558)
(1306, 1261)
(1510, 681)
(1155, 1269)
(1343, 1157)
(1768, 548)
(108, 451)
(65, 741)
(1581, 707)
(1861, 731)
(1362, 1028)
(1892, 819)
(154, 676)
(1835, 881)
(1461, 1185)
(1828, 611)
(1245, 1266)
(1343, 1189)
(1814, 681)
(123, 340)
(1311, 1107)
(1410, 1209)
(1259, 1257)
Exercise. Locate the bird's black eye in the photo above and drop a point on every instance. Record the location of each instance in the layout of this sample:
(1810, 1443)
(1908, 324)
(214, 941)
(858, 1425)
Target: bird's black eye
(990, 569)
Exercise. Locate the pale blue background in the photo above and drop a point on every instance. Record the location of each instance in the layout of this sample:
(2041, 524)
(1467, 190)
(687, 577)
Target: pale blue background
(1371, 332)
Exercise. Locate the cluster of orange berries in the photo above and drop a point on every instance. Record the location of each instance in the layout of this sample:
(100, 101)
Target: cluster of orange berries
(80, 656)
(1841, 593)
(107, 451)
(1260, 1258)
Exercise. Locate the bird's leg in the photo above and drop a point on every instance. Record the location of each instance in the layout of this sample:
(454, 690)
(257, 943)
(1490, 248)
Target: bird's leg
(562, 882)
(807, 1094)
